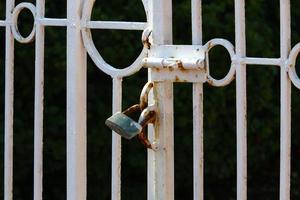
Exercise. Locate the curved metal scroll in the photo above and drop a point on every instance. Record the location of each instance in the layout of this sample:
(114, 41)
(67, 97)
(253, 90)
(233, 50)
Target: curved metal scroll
(291, 65)
(87, 25)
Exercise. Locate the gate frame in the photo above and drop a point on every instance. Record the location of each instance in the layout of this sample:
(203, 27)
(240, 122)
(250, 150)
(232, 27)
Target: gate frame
(160, 162)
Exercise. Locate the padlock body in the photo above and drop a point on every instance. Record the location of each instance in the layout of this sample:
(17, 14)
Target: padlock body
(124, 125)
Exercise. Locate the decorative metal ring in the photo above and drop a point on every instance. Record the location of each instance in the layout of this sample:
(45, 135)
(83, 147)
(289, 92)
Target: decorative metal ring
(231, 74)
(291, 65)
(15, 30)
(94, 53)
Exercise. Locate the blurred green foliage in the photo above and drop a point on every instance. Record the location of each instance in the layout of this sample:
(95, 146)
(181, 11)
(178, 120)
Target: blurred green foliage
(120, 48)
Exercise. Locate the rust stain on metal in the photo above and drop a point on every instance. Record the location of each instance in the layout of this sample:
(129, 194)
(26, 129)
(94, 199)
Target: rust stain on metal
(146, 118)
(180, 66)
(209, 46)
(144, 95)
(209, 81)
(132, 109)
(147, 43)
(171, 68)
(145, 38)
(143, 139)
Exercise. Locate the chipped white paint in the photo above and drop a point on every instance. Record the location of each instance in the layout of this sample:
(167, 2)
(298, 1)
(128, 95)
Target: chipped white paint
(176, 63)
(175, 57)
(166, 64)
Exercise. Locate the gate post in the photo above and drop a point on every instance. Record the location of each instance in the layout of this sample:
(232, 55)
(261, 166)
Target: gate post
(161, 162)
(76, 104)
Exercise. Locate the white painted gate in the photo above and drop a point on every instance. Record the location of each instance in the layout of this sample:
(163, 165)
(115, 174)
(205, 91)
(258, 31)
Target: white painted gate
(166, 63)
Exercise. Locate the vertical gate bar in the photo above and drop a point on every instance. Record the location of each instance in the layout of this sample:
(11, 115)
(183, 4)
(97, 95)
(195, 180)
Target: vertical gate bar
(116, 143)
(197, 22)
(198, 141)
(151, 132)
(9, 104)
(285, 120)
(151, 156)
(163, 94)
(39, 102)
(241, 101)
(198, 159)
(76, 104)
(164, 157)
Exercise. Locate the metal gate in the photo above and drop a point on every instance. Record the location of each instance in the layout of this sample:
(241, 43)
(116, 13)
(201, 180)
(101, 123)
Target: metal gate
(167, 64)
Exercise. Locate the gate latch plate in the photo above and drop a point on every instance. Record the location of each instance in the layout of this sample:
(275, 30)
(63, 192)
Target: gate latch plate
(176, 63)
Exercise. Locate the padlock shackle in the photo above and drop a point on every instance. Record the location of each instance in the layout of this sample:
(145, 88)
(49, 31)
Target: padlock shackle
(148, 116)
(144, 140)
(144, 95)
(133, 109)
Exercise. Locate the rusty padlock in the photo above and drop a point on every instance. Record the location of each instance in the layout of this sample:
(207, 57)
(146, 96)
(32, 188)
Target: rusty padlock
(124, 124)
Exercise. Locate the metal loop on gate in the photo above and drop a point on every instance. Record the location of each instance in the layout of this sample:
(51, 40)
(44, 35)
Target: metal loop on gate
(231, 74)
(96, 56)
(291, 65)
(148, 115)
(14, 27)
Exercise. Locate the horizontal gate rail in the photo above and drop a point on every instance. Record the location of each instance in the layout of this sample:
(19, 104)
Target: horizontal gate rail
(116, 25)
(52, 22)
(261, 61)
(2, 23)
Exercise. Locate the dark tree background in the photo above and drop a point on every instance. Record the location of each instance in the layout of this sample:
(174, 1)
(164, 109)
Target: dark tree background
(120, 48)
